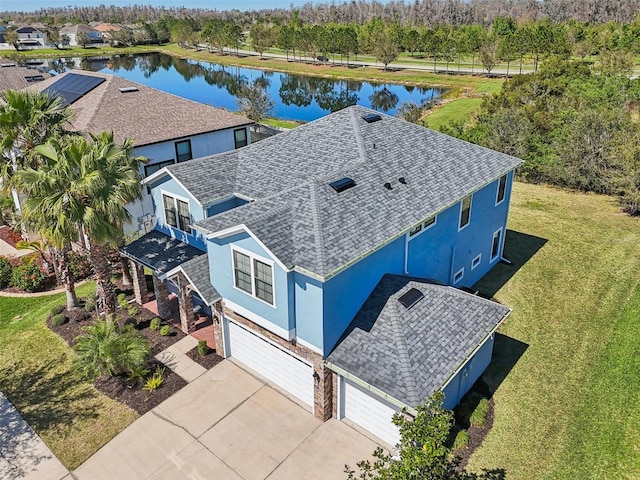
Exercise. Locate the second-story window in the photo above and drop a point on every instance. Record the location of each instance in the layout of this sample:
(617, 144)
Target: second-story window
(183, 151)
(253, 276)
(502, 187)
(176, 213)
(240, 137)
(465, 212)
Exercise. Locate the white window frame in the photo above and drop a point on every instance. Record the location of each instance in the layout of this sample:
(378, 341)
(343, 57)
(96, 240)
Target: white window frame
(493, 237)
(504, 194)
(175, 197)
(253, 257)
(462, 227)
(422, 226)
(476, 261)
(459, 272)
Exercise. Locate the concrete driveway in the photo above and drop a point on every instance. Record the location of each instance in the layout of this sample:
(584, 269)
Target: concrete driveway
(228, 424)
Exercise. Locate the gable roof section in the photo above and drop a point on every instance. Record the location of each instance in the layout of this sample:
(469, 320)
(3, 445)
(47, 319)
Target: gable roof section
(288, 178)
(146, 114)
(409, 353)
(197, 272)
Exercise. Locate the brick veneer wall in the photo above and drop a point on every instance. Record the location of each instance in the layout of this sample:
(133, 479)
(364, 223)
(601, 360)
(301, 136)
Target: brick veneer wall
(323, 377)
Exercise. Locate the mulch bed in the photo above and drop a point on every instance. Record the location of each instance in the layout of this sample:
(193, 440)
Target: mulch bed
(119, 388)
(210, 360)
(477, 434)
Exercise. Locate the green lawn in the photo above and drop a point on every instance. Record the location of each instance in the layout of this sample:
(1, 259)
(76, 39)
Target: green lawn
(70, 415)
(566, 365)
(460, 109)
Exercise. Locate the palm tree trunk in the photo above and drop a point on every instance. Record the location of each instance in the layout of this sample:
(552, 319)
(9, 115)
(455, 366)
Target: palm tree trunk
(104, 288)
(66, 276)
(124, 264)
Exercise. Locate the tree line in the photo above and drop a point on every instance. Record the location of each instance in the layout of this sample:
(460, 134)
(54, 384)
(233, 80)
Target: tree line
(415, 13)
(573, 126)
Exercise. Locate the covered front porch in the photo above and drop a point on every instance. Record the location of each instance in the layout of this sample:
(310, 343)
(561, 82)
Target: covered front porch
(182, 291)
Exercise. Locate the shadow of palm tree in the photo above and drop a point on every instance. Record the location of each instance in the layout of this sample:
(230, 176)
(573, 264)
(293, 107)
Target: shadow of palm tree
(45, 397)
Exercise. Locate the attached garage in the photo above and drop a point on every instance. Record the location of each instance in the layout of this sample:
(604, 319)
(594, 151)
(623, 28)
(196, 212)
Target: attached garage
(369, 411)
(271, 361)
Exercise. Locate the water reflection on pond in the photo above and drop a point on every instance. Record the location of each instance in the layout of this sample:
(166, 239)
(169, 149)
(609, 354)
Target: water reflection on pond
(296, 97)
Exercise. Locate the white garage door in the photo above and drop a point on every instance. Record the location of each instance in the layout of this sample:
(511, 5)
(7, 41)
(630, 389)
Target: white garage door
(272, 362)
(370, 412)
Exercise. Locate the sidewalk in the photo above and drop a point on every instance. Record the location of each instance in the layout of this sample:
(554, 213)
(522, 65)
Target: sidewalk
(175, 357)
(23, 454)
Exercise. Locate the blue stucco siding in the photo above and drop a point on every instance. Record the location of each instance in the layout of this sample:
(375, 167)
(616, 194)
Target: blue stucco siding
(468, 374)
(442, 250)
(167, 185)
(345, 293)
(306, 302)
(222, 278)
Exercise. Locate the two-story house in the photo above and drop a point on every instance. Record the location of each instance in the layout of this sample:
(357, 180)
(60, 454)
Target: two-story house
(165, 128)
(328, 256)
(31, 37)
(71, 31)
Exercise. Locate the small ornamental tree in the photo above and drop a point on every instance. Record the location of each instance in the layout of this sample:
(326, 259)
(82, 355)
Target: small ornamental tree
(423, 452)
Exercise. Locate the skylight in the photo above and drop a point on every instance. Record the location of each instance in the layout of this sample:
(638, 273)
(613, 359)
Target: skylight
(410, 298)
(128, 89)
(342, 184)
(371, 117)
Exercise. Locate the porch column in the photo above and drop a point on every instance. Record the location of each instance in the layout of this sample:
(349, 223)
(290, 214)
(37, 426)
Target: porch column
(322, 391)
(217, 327)
(162, 298)
(185, 303)
(139, 283)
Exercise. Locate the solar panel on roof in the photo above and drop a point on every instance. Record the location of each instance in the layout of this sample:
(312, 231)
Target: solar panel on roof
(73, 86)
(342, 184)
(410, 298)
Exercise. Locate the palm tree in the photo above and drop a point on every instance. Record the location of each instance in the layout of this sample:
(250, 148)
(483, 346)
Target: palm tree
(83, 186)
(27, 119)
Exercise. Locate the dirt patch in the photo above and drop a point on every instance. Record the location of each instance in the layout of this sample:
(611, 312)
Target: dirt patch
(211, 359)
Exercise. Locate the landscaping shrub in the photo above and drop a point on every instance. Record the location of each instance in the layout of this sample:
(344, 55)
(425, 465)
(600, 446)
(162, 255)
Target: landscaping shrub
(122, 301)
(165, 330)
(461, 440)
(5, 272)
(479, 414)
(203, 349)
(155, 381)
(28, 277)
(105, 349)
(58, 319)
(155, 324)
(89, 306)
(80, 265)
(57, 309)
(133, 310)
(138, 373)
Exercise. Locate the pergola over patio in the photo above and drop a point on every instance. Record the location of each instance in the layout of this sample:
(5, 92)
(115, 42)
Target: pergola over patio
(170, 259)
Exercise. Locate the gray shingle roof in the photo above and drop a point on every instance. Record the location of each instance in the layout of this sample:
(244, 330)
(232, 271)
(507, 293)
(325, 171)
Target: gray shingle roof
(410, 353)
(146, 115)
(160, 252)
(197, 271)
(15, 77)
(288, 176)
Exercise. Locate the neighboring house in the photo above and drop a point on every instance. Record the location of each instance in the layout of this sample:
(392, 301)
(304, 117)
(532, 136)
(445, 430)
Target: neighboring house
(165, 128)
(95, 36)
(325, 255)
(15, 77)
(107, 29)
(31, 37)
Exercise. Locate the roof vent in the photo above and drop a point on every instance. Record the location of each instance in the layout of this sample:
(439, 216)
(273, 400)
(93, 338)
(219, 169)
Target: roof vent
(388, 186)
(342, 184)
(371, 117)
(34, 78)
(410, 298)
(8, 64)
(402, 180)
(128, 89)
